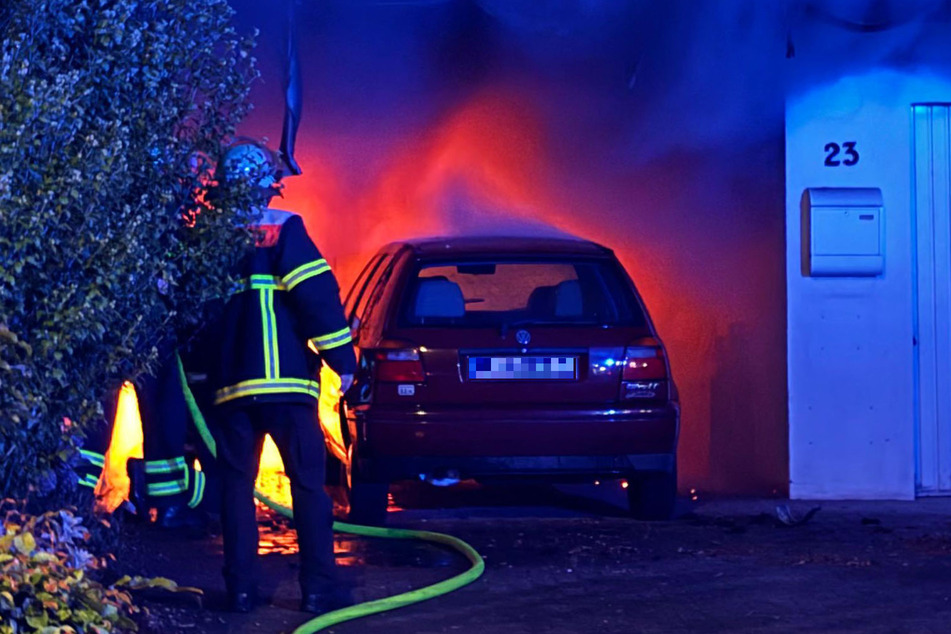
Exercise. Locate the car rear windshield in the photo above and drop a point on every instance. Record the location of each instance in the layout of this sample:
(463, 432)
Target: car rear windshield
(495, 293)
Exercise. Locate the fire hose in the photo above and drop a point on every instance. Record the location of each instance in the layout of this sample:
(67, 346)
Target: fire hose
(476, 568)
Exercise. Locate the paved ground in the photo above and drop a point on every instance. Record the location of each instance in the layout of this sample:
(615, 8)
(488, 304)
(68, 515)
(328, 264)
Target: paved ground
(568, 561)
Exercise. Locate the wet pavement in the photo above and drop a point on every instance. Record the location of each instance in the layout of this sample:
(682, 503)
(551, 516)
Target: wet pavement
(567, 560)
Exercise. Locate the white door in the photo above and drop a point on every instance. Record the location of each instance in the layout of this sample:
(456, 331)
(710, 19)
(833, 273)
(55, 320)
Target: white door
(932, 148)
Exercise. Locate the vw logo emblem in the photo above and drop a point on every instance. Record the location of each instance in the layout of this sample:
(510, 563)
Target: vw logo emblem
(523, 337)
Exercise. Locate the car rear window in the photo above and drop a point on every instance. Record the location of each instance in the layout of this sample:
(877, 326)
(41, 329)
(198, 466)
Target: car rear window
(487, 293)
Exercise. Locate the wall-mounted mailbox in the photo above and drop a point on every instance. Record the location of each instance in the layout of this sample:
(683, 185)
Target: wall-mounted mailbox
(843, 232)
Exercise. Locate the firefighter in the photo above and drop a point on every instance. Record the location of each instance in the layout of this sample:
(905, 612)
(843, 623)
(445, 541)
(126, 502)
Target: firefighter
(166, 479)
(283, 321)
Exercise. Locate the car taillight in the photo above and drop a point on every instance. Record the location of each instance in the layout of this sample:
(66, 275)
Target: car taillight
(645, 371)
(399, 366)
(645, 361)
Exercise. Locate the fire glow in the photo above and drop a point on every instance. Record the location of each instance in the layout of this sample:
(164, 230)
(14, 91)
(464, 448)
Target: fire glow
(127, 442)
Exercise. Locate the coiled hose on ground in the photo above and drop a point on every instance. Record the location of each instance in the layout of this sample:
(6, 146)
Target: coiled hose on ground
(477, 565)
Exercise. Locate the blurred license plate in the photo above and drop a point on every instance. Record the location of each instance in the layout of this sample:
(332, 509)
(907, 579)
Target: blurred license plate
(504, 368)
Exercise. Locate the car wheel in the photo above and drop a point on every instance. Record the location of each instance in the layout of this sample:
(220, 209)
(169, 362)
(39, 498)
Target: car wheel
(652, 495)
(367, 500)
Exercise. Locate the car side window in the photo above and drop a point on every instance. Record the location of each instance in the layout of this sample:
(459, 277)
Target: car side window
(378, 288)
(370, 289)
(356, 290)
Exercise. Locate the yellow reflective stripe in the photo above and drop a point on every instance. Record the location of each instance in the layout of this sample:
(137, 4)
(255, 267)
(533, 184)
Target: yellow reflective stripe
(199, 492)
(265, 340)
(165, 466)
(170, 488)
(89, 481)
(267, 351)
(333, 340)
(265, 281)
(272, 336)
(305, 272)
(167, 488)
(259, 282)
(93, 458)
(256, 387)
(269, 334)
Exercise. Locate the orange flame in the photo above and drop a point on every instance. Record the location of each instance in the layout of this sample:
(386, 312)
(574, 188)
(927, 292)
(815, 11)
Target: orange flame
(126, 442)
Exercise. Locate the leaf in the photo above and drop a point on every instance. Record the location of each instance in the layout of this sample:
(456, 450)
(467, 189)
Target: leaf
(25, 543)
(162, 582)
(38, 621)
(142, 583)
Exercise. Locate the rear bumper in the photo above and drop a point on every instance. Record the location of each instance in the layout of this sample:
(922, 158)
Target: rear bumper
(388, 468)
(395, 444)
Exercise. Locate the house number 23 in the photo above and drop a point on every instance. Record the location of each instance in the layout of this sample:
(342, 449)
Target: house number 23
(847, 149)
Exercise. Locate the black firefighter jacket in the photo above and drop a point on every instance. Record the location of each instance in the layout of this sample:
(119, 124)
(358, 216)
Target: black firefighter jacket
(284, 318)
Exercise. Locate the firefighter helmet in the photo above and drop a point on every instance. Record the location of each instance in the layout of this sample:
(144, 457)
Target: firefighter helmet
(251, 161)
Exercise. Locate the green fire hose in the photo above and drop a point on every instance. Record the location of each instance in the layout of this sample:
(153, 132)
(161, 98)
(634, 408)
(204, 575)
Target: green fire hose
(475, 570)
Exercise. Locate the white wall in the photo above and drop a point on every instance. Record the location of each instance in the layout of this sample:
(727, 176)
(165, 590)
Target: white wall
(851, 356)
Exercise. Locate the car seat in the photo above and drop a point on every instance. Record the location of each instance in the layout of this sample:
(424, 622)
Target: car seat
(568, 301)
(439, 298)
(541, 303)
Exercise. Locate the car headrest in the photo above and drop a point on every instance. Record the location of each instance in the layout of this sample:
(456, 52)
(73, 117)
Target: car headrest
(439, 298)
(541, 303)
(568, 299)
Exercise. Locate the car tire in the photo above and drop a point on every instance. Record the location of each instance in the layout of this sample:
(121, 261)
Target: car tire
(652, 495)
(367, 500)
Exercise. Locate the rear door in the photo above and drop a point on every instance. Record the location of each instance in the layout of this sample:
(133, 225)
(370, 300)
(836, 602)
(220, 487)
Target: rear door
(517, 332)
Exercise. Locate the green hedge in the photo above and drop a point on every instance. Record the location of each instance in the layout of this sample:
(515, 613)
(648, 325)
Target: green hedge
(112, 113)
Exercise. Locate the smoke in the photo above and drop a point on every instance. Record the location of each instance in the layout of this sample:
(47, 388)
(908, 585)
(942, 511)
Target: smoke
(829, 40)
(626, 81)
(655, 128)
(470, 213)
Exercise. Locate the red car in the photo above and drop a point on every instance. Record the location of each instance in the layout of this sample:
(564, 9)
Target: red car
(499, 357)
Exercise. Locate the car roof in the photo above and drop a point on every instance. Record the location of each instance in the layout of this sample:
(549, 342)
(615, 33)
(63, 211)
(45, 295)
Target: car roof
(502, 245)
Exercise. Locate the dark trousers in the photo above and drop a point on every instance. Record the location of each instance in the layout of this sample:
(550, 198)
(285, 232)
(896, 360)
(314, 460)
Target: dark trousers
(163, 412)
(164, 427)
(239, 432)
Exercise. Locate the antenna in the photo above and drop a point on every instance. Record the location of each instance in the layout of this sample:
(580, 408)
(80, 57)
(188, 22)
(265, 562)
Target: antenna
(293, 99)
